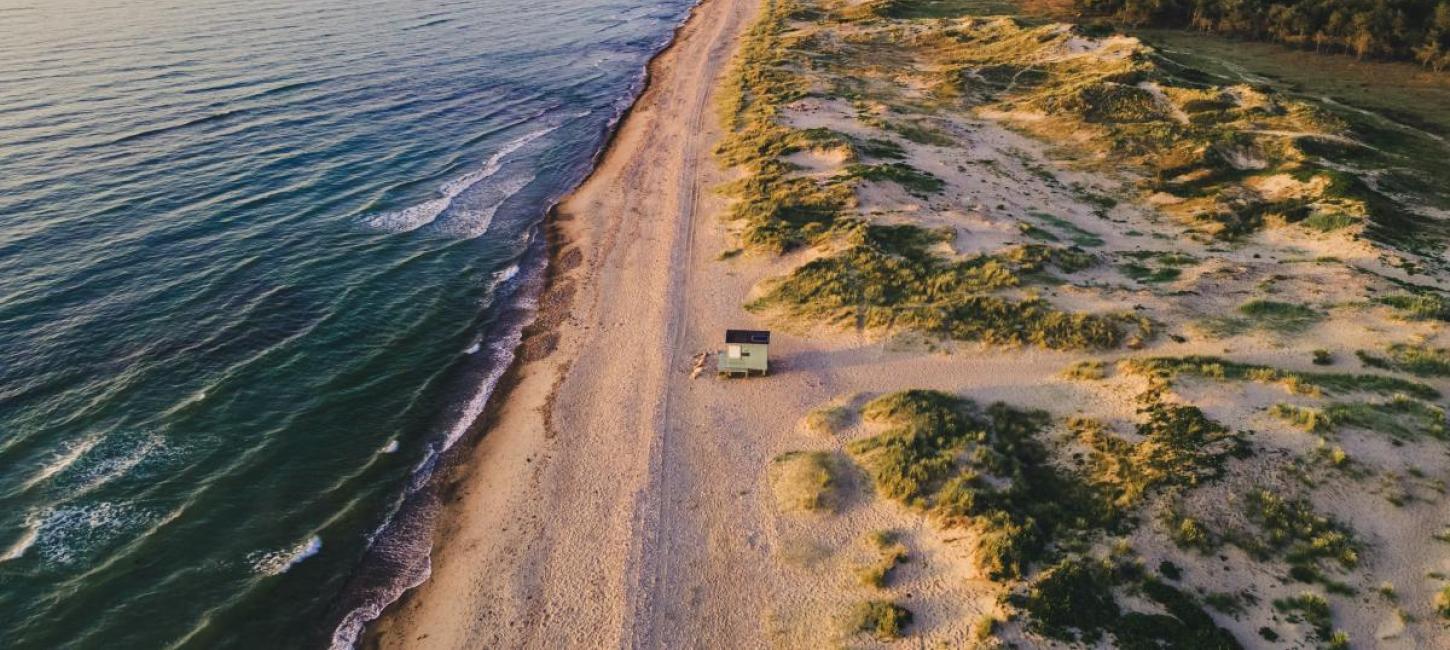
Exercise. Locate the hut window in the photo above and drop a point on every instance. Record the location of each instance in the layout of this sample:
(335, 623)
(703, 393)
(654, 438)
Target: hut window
(733, 352)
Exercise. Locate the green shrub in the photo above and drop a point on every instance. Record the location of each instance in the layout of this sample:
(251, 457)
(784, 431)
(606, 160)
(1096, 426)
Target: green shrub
(1091, 369)
(882, 619)
(887, 277)
(1418, 306)
(1310, 608)
(1280, 316)
(1292, 527)
(1072, 600)
(908, 177)
(936, 455)
(1165, 369)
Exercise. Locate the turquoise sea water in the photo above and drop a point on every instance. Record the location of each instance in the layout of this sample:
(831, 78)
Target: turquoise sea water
(260, 262)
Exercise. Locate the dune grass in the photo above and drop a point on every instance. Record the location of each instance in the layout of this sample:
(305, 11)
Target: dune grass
(983, 470)
(1086, 370)
(1418, 360)
(1293, 529)
(1177, 446)
(909, 178)
(1164, 369)
(827, 420)
(890, 554)
(882, 619)
(1418, 306)
(1311, 609)
(1264, 315)
(805, 481)
(887, 276)
(1074, 602)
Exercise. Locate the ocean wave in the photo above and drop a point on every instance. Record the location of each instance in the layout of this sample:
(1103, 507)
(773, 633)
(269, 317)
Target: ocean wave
(115, 457)
(66, 535)
(27, 539)
(277, 562)
(61, 461)
(400, 546)
(422, 214)
(467, 223)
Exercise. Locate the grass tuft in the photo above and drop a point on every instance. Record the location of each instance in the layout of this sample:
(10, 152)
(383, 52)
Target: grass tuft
(804, 481)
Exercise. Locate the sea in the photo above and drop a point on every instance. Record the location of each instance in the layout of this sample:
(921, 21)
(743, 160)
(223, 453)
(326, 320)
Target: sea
(262, 263)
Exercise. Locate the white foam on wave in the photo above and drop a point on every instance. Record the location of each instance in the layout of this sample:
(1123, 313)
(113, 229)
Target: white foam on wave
(66, 535)
(470, 222)
(27, 539)
(389, 448)
(61, 460)
(505, 275)
(121, 462)
(473, 349)
(277, 562)
(422, 214)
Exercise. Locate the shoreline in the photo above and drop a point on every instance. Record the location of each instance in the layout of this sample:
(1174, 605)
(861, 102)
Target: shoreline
(421, 508)
(466, 464)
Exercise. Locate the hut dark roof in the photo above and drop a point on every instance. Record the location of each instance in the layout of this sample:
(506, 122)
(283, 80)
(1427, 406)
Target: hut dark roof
(747, 336)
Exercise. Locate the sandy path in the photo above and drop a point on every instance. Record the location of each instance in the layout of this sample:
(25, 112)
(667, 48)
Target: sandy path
(553, 536)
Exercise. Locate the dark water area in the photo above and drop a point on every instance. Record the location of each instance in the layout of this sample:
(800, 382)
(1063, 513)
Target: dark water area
(260, 263)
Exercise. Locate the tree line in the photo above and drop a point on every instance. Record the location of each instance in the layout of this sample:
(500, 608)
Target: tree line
(1417, 30)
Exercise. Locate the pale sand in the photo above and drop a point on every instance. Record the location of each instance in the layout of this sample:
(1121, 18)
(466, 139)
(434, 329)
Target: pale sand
(553, 538)
(615, 501)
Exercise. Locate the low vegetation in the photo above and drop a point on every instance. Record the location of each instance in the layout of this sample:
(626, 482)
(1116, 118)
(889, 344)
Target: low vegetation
(982, 470)
(827, 420)
(1177, 446)
(1311, 609)
(1416, 30)
(888, 277)
(1418, 306)
(1087, 370)
(884, 620)
(1266, 316)
(1293, 529)
(1418, 360)
(1074, 602)
(1227, 159)
(804, 481)
(890, 553)
(1163, 370)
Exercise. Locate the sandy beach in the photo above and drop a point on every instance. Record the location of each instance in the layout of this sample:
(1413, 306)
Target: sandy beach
(541, 546)
(619, 500)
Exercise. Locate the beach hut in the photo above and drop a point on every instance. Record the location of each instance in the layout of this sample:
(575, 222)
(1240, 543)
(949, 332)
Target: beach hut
(746, 353)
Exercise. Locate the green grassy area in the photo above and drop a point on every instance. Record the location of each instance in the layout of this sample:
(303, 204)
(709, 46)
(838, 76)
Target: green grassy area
(1418, 306)
(1177, 446)
(1074, 602)
(1263, 315)
(1165, 369)
(887, 276)
(1418, 360)
(805, 481)
(1401, 109)
(882, 619)
(909, 178)
(983, 470)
